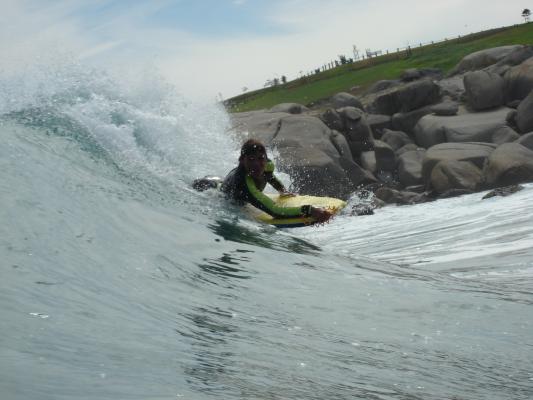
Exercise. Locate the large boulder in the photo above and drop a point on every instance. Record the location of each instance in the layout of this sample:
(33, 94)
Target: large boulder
(290, 108)
(509, 164)
(385, 156)
(446, 109)
(368, 161)
(395, 139)
(382, 85)
(410, 167)
(332, 119)
(356, 130)
(406, 122)
(519, 81)
(263, 125)
(453, 87)
(516, 57)
(450, 174)
(504, 134)
(476, 153)
(526, 140)
(344, 99)
(413, 74)
(484, 90)
(393, 196)
(378, 122)
(482, 59)
(524, 115)
(477, 127)
(406, 98)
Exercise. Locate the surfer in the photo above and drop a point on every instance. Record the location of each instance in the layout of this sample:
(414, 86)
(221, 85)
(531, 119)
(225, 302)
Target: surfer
(246, 182)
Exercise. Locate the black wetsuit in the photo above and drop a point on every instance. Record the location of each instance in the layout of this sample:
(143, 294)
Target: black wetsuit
(242, 188)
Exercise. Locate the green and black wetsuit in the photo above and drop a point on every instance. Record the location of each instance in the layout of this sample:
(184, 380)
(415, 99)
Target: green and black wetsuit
(242, 188)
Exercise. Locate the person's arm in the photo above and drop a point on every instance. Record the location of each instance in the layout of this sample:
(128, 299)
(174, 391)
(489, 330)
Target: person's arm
(274, 181)
(259, 200)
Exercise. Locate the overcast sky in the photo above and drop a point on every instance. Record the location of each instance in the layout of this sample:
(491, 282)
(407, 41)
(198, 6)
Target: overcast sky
(207, 47)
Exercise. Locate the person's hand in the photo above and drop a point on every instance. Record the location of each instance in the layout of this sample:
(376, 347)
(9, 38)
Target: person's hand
(320, 214)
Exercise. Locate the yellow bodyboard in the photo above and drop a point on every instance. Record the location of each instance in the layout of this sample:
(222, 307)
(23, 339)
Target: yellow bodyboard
(330, 203)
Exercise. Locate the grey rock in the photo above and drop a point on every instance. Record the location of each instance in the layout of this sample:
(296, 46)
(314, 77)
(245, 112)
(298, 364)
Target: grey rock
(504, 134)
(385, 156)
(524, 114)
(413, 74)
(408, 147)
(526, 140)
(452, 174)
(484, 90)
(519, 81)
(264, 125)
(406, 98)
(503, 192)
(509, 164)
(290, 108)
(476, 153)
(368, 161)
(477, 127)
(393, 196)
(344, 99)
(341, 144)
(447, 108)
(332, 119)
(410, 167)
(356, 130)
(406, 122)
(452, 87)
(378, 122)
(482, 59)
(382, 85)
(395, 139)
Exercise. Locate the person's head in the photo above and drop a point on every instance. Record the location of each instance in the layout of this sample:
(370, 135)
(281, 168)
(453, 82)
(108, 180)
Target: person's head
(253, 157)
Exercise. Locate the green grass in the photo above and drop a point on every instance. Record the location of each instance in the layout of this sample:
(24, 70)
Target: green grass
(445, 56)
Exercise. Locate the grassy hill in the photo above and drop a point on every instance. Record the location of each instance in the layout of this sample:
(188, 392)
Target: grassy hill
(444, 55)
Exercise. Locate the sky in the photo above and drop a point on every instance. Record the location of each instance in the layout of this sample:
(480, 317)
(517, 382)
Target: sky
(216, 48)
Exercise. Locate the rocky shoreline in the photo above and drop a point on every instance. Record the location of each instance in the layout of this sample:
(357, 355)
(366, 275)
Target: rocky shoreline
(421, 137)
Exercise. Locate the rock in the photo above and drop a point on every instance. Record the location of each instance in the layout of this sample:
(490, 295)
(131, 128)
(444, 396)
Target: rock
(504, 191)
(451, 174)
(395, 139)
(447, 108)
(406, 98)
(516, 57)
(410, 167)
(264, 125)
(509, 164)
(344, 99)
(484, 90)
(361, 209)
(526, 140)
(454, 193)
(385, 156)
(476, 153)
(356, 130)
(482, 59)
(332, 119)
(504, 134)
(477, 127)
(368, 161)
(406, 122)
(511, 118)
(524, 114)
(408, 147)
(452, 87)
(382, 85)
(519, 81)
(290, 108)
(413, 74)
(378, 122)
(341, 144)
(393, 196)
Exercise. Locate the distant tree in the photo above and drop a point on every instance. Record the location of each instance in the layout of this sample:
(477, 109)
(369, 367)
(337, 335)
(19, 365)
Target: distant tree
(244, 89)
(342, 59)
(283, 79)
(317, 71)
(275, 82)
(526, 14)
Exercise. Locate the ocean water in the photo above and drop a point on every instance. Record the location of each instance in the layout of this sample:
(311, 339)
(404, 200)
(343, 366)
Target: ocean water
(120, 282)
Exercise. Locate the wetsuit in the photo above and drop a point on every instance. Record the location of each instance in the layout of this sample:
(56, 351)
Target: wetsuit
(242, 188)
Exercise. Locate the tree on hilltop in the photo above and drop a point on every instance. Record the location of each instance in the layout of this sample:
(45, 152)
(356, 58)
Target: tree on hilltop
(283, 79)
(526, 14)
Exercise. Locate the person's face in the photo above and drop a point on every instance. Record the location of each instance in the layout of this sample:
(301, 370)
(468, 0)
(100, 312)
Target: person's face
(254, 164)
